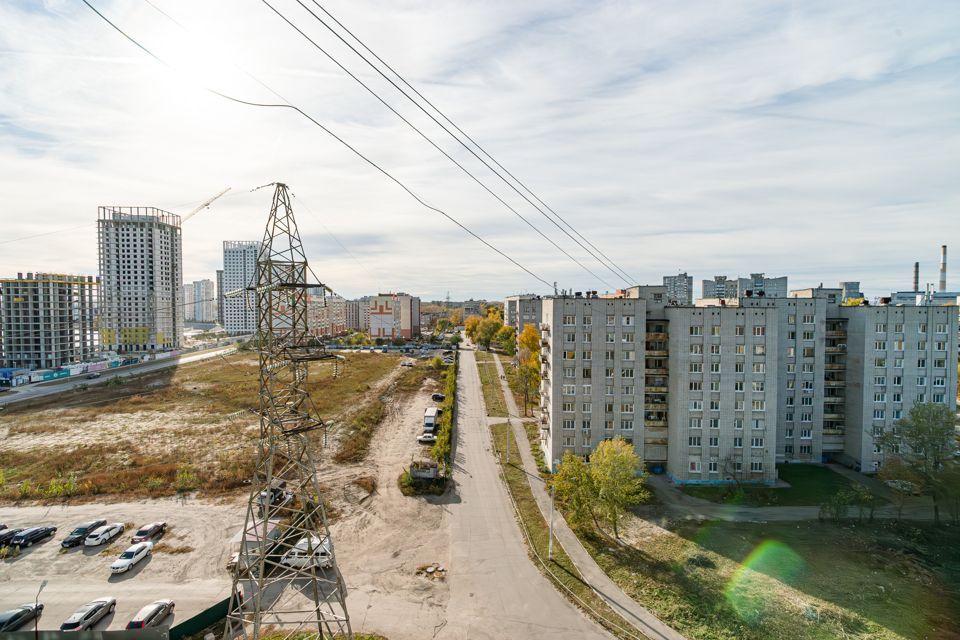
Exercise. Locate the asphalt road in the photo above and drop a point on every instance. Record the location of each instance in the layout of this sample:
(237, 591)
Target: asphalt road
(495, 590)
(39, 390)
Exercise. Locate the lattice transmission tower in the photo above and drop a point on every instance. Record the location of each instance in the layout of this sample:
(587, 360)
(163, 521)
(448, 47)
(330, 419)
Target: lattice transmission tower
(286, 581)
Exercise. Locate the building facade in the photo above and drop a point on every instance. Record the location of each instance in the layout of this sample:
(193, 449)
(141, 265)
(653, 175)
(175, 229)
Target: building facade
(47, 320)
(521, 310)
(326, 314)
(732, 387)
(239, 273)
(352, 315)
(189, 303)
(757, 285)
(141, 258)
(204, 301)
(220, 297)
(393, 315)
(679, 288)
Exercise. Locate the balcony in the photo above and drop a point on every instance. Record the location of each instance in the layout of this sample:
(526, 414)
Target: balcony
(837, 348)
(544, 342)
(653, 335)
(655, 423)
(836, 334)
(834, 383)
(834, 400)
(655, 389)
(834, 366)
(656, 372)
(833, 416)
(657, 353)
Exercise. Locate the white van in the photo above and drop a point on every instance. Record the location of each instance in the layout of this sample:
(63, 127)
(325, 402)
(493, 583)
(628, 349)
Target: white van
(430, 415)
(309, 551)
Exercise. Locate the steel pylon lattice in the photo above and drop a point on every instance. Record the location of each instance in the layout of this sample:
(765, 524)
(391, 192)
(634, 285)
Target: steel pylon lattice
(286, 582)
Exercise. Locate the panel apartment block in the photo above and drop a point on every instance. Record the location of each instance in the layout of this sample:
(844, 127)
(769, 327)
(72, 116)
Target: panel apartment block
(393, 315)
(895, 356)
(723, 393)
(592, 386)
(679, 288)
(141, 257)
(47, 320)
(521, 310)
(239, 273)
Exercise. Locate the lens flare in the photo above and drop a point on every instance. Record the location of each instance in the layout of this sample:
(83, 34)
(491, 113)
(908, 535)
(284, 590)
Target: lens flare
(748, 589)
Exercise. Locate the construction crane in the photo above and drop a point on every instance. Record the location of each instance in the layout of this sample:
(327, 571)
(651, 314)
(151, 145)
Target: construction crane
(203, 206)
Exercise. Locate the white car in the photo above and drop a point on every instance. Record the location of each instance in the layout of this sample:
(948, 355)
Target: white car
(104, 534)
(89, 614)
(299, 555)
(131, 557)
(426, 438)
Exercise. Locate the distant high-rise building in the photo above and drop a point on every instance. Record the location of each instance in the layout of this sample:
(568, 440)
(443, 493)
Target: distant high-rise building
(47, 320)
(755, 286)
(220, 297)
(394, 315)
(326, 314)
(189, 303)
(203, 300)
(679, 288)
(522, 309)
(141, 257)
(239, 273)
(352, 315)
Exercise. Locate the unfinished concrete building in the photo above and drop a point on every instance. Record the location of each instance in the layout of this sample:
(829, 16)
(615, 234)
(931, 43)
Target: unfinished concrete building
(47, 320)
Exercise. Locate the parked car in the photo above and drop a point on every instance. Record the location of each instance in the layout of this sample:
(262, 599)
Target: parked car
(904, 486)
(13, 619)
(92, 376)
(7, 535)
(438, 397)
(275, 497)
(75, 538)
(151, 615)
(309, 551)
(27, 537)
(426, 438)
(89, 614)
(149, 531)
(129, 558)
(103, 534)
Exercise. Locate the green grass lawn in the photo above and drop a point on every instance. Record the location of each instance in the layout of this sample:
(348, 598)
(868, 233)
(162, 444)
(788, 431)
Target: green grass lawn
(810, 485)
(792, 580)
(492, 391)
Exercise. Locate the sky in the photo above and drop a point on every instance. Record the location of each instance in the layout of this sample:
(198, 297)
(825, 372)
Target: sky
(817, 140)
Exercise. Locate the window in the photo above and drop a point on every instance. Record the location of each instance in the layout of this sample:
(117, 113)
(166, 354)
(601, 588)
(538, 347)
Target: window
(791, 352)
(740, 349)
(569, 337)
(922, 381)
(939, 398)
(738, 443)
(806, 417)
(696, 405)
(587, 355)
(939, 363)
(608, 355)
(569, 390)
(696, 423)
(714, 441)
(939, 381)
(791, 367)
(921, 363)
(808, 318)
(759, 349)
(626, 372)
(568, 407)
(626, 425)
(694, 441)
(626, 407)
(738, 330)
(738, 423)
(897, 396)
(759, 385)
(628, 356)
(715, 349)
(759, 423)
(714, 423)
(806, 434)
(738, 385)
(880, 396)
(738, 405)
(898, 363)
(759, 367)
(569, 355)
(569, 320)
(714, 367)
(738, 367)
(879, 414)
(941, 327)
(805, 448)
(712, 467)
(806, 401)
(880, 380)
(587, 407)
(608, 407)
(715, 331)
(790, 401)
(881, 328)
(588, 320)
(714, 405)
(587, 372)
(759, 331)
(585, 425)
(608, 389)
(898, 345)
(694, 330)
(568, 424)
(922, 327)
(608, 372)
(756, 466)
(788, 449)
(694, 466)
(897, 414)
(808, 335)
(696, 367)
(789, 433)
(940, 346)
(808, 385)
(879, 362)
(696, 385)
(756, 443)
(628, 390)
(880, 345)
(792, 319)
(627, 337)
(611, 321)
(696, 349)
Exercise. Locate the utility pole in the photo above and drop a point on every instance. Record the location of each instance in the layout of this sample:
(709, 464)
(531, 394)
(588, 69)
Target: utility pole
(550, 542)
(271, 594)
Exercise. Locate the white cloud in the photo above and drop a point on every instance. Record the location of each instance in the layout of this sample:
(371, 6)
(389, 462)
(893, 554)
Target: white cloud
(817, 140)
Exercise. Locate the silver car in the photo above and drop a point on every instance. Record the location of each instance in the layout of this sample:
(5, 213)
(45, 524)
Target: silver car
(152, 614)
(89, 614)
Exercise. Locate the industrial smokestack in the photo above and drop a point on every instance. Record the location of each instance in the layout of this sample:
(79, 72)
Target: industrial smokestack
(916, 276)
(943, 267)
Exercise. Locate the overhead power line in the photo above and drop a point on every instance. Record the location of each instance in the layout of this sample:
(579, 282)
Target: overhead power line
(333, 135)
(605, 261)
(427, 138)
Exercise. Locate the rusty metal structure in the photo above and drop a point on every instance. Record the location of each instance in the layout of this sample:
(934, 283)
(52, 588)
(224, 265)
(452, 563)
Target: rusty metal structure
(286, 582)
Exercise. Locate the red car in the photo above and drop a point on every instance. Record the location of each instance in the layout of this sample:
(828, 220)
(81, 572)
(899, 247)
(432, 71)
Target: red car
(149, 531)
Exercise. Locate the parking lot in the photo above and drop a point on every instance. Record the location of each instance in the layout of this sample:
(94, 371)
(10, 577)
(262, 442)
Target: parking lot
(188, 567)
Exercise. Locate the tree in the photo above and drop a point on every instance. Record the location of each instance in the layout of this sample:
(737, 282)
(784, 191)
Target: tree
(530, 340)
(443, 324)
(506, 340)
(470, 326)
(486, 331)
(456, 317)
(528, 379)
(925, 440)
(618, 478)
(949, 488)
(573, 487)
(865, 500)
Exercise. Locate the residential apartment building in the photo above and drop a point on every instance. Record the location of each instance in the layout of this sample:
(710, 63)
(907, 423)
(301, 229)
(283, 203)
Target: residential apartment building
(326, 314)
(757, 285)
(679, 288)
(352, 315)
(393, 315)
(47, 320)
(141, 258)
(205, 301)
(521, 310)
(220, 297)
(732, 387)
(189, 303)
(239, 274)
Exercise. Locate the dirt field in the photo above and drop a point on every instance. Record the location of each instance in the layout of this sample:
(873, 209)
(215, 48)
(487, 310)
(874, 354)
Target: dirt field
(381, 537)
(179, 429)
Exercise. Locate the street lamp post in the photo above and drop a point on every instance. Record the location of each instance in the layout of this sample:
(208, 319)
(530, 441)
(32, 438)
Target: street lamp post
(550, 541)
(36, 618)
